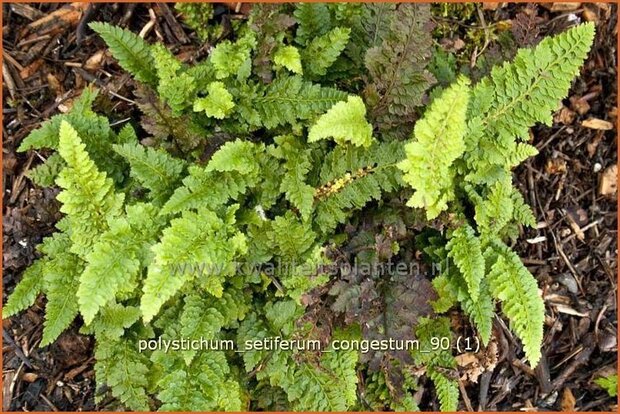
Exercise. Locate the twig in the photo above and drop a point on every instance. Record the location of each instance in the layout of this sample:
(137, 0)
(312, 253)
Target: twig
(86, 17)
(568, 263)
(176, 28)
(487, 37)
(18, 351)
(581, 358)
(8, 80)
(466, 399)
(551, 138)
(48, 402)
(485, 381)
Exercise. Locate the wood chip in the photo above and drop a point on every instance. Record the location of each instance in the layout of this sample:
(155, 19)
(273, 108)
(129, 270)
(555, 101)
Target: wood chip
(67, 16)
(589, 16)
(568, 310)
(561, 6)
(537, 240)
(31, 69)
(94, 62)
(593, 145)
(608, 183)
(568, 400)
(30, 377)
(8, 80)
(26, 11)
(575, 227)
(595, 123)
(579, 104)
(565, 116)
(490, 6)
(54, 84)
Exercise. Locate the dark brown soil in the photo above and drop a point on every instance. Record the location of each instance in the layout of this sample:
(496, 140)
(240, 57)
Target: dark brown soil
(573, 253)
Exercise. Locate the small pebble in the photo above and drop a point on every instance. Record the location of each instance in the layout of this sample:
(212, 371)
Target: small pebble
(597, 167)
(570, 283)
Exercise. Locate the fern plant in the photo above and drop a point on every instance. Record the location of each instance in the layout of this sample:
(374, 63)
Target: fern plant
(262, 158)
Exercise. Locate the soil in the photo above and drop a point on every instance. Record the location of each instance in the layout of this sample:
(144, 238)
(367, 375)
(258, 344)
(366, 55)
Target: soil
(571, 184)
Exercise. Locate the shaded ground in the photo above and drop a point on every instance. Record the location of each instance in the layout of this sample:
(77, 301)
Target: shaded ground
(573, 253)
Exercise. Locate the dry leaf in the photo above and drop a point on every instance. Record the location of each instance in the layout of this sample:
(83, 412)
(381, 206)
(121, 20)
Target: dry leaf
(565, 116)
(555, 166)
(474, 364)
(54, 84)
(608, 184)
(595, 123)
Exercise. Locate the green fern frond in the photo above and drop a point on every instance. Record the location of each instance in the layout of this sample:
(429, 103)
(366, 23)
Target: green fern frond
(437, 360)
(447, 391)
(236, 156)
(61, 277)
(314, 19)
(289, 99)
(111, 264)
(522, 213)
(233, 59)
(297, 164)
(154, 169)
(131, 51)
(322, 51)
(609, 384)
(345, 122)
(197, 16)
(195, 245)
(94, 130)
(88, 196)
(537, 79)
(495, 211)
(27, 290)
(465, 250)
(289, 57)
(204, 317)
(232, 169)
(438, 143)
(176, 87)
(447, 293)
(480, 311)
(516, 288)
(352, 177)
(117, 259)
(290, 237)
(125, 370)
(202, 386)
(45, 174)
(112, 322)
(218, 103)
